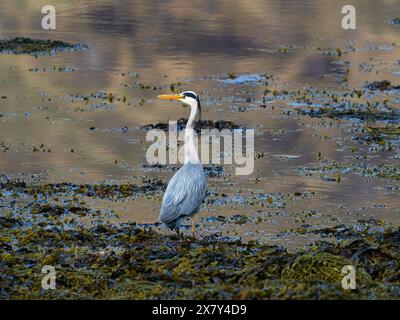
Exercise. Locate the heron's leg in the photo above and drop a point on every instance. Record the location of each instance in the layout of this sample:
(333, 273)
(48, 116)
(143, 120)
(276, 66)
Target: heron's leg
(193, 228)
(195, 219)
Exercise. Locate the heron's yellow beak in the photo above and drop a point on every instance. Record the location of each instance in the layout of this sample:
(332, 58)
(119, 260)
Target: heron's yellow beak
(170, 96)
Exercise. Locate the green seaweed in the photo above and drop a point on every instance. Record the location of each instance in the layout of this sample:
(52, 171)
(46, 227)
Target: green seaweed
(382, 135)
(199, 125)
(321, 266)
(20, 45)
(100, 190)
(124, 261)
(365, 115)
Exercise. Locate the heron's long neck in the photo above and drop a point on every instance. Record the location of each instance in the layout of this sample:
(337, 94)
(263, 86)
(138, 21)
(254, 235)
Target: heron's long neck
(191, 155)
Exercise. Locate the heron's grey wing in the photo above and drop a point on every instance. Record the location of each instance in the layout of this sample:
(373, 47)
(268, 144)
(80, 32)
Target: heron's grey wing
(185, 193)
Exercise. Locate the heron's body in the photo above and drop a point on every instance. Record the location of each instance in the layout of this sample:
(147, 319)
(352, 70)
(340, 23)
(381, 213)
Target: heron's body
(187, 188)
(184, 195)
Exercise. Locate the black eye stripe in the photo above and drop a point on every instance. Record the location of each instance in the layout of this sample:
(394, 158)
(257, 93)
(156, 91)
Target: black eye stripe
(191, 95)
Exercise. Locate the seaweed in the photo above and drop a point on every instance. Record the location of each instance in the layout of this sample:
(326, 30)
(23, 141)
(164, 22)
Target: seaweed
(385, 137)
(127, 262)
(381, 85)
(97, 259)
(199, 125)
(21, 45)
(382, 135)
(100, 190)
(355, 113)
(361, 168)
(320, 266)
(210, 171)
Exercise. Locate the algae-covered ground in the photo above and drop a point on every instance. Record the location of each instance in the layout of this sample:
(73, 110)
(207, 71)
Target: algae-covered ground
(21, 45)
(96, 259)
(124, 261)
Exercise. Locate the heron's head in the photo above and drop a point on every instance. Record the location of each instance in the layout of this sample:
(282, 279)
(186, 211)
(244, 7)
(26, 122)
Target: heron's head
(188, 97)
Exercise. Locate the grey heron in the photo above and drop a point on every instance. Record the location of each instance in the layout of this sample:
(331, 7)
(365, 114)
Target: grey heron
(187, 188)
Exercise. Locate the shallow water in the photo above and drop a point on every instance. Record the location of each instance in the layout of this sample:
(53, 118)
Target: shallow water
(158, 43)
